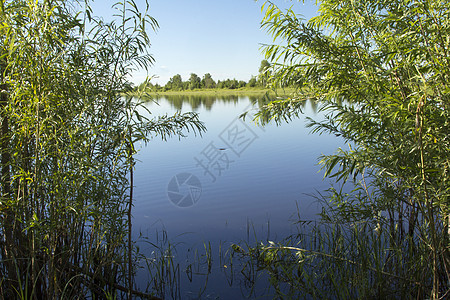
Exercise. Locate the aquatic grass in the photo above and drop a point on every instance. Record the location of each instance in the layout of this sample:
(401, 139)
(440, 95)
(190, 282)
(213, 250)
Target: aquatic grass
(167, 264)
(208, 256)
(337, 260)
(329, 259)
(163, 270)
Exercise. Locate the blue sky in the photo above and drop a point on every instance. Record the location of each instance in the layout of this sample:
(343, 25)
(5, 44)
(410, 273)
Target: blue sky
(221, 37)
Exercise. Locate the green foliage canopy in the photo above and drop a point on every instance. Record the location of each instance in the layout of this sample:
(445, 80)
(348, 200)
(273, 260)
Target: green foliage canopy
(194, 81)
(67, 145)
(381, 70)
(264, 72)
(208, 82)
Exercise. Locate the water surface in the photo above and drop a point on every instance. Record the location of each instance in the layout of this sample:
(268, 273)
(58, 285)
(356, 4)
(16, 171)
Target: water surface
(244, 182)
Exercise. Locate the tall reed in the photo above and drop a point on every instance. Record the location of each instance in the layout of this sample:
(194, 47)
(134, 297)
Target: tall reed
(67, 147)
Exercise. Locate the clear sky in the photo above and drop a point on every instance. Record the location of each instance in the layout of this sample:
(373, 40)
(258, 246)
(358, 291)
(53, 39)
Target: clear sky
(220, 37)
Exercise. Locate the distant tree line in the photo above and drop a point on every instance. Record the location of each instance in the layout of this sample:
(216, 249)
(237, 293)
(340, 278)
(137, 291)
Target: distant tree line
(176, 83)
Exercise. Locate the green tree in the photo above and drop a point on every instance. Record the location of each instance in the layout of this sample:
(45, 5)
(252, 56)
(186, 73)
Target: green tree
(67, 147)
(230, 84)
(156, 87)
(175, 83)
(381, 70)
(194, 81)
(264, 72)
(208, 82)
(252, 82)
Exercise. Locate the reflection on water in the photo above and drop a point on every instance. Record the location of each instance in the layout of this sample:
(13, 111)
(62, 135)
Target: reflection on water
(237, 182)
(196, 102)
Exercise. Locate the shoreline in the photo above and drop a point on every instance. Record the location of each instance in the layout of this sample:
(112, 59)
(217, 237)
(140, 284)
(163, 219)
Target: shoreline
(214, 92)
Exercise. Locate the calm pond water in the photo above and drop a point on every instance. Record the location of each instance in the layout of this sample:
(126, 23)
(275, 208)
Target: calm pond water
(236, 183)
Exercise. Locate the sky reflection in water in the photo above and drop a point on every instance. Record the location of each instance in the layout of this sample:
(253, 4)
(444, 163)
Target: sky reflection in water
(256, 174)
(243, 183)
